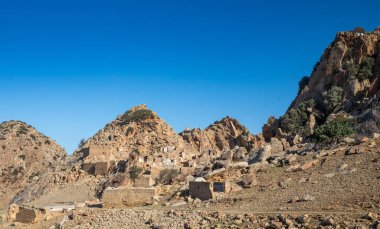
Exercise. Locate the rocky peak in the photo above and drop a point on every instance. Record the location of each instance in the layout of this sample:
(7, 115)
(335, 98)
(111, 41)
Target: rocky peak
(137, 130)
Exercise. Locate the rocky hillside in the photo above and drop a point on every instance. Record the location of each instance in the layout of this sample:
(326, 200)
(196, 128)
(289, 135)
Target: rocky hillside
(140, 139)
(142, 132)
(344, 84)
(25, 155)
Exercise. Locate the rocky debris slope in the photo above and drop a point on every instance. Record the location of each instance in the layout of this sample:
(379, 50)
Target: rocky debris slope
(25, 156)
(177, 218)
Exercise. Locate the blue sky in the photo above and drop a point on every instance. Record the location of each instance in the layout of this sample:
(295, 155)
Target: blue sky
(69, 67)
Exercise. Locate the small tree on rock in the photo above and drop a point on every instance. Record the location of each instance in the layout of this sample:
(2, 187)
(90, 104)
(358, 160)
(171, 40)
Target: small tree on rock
(81, 143)
(134, 172)
(359, 30)
(333, 98)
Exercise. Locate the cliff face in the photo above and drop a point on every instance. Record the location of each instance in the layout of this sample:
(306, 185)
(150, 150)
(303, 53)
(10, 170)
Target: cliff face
(344, 83)
(25, 155)
(340, 65)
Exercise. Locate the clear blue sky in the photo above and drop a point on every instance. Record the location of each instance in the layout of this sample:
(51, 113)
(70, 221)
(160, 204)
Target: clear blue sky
(69, 67)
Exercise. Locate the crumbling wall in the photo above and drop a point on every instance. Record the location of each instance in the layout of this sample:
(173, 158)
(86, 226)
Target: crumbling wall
(25, 214)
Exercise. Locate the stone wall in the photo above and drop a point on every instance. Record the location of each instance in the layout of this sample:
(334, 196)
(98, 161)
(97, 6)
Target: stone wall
(117, 197)
(99, 150)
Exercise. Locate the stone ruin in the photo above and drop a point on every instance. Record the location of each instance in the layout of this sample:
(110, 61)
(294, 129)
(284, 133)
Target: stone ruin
(127, 196)
(28, 214)
(141, 193)
(205, 190)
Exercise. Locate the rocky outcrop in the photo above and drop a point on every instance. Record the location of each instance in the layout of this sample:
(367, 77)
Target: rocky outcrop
(225, 134)
(25, 156)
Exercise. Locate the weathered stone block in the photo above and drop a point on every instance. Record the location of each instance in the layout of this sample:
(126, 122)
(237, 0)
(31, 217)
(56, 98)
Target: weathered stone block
(201, 190)
(101, 168)
(96, 168)
(144, 181)
(155, 172)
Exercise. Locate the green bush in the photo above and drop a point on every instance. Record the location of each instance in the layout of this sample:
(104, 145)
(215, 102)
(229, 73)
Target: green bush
(333, 98)
(129, 131)
(294, 121)
(138, 115)
(134, 172)
(366, 69)
(353, 70)
(363, 71)
(333, 130)
(167, 175)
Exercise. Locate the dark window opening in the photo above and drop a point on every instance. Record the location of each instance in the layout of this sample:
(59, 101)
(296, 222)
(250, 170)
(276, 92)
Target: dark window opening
(218, 187)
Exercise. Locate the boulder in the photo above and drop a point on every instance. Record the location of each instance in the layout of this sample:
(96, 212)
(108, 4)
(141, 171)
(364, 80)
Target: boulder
(240, 153)
(276, 145)
(285, 143)
(238, 165)
(249, 180)
(228, 155)
(269, 129)
(215, 172)
(309, 164)
(260, 155)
